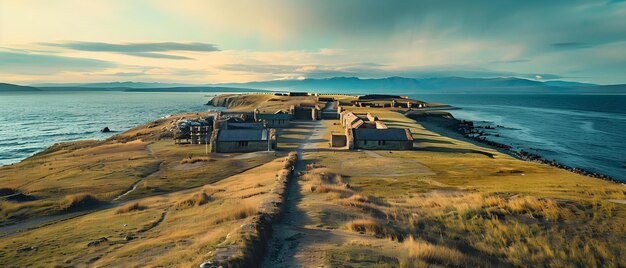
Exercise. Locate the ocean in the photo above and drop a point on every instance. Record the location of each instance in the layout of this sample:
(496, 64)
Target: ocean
(586, 131)
(31, 122)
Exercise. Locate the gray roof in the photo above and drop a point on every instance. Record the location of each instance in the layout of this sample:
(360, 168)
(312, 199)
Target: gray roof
(279, 116)
(245, 125)
(389, 134)
(242, 135)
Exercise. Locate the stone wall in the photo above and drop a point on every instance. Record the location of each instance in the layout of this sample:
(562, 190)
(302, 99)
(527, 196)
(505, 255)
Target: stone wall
(388, 145)
(234, 147)
(251, 242)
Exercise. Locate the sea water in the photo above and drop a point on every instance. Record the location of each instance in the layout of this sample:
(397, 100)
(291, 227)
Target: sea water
(31, 122)
(585, 131)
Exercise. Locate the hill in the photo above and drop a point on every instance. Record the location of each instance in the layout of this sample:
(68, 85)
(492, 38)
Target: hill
(108, 85)
(4, 87)
(194, 89)
(408, 85)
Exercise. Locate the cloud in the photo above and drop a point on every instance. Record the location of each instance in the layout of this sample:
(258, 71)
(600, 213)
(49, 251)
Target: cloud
(138, 49)
(373, 70)
(157, 55)
(42, 64)
(570, 45)
(128, 74)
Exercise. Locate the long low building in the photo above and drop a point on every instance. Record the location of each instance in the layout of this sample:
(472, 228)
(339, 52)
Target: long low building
(273, 120)
(380, 139)
(242, 140)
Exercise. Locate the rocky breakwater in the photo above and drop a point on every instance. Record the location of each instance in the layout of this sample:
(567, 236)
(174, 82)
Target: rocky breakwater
(245, 246)
(469, 130)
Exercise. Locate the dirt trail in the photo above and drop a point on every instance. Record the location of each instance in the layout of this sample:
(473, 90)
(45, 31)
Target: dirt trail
(293, 244)
(134, 186)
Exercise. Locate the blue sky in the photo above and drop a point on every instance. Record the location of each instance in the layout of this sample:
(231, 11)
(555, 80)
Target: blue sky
(195, 41)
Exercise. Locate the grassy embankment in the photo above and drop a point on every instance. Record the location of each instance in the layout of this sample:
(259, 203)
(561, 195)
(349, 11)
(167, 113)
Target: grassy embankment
(143, 159)
(177, 229)
(453, 203)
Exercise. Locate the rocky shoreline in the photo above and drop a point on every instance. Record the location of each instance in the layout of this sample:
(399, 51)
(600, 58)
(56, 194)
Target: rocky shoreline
(470, 131)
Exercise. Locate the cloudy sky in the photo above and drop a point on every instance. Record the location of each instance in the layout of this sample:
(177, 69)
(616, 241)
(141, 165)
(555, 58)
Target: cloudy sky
(197, 41)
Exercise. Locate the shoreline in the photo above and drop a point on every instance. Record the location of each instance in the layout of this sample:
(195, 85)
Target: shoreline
(461, 130)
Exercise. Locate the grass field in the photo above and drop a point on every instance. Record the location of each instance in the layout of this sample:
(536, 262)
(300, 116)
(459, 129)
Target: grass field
(446, 203)
(138, 163)
(169, 230)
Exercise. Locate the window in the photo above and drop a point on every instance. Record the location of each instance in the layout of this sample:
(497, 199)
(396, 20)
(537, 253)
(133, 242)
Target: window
(242, 143)
(382, 142)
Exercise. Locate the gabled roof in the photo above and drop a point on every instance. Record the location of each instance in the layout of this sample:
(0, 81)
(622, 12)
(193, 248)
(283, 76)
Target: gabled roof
(389, 134)
(242, 135)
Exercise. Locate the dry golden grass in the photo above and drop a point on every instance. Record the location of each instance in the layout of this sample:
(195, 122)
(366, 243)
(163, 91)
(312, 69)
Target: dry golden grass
(81, 201)
(195, 159)
(372, 227)
(422, 250)
(237, 213)
(160, 235)
(195, 200)
(130, 207)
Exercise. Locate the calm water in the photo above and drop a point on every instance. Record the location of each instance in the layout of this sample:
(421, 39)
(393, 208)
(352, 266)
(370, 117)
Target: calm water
(30, 122)
(586, 131)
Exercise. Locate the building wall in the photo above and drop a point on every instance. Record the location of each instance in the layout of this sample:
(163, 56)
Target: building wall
(383, 145)
(235, 147)
(337, 140)
(273, 123)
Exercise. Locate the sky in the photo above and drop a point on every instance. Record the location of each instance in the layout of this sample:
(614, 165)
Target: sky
(217, 41)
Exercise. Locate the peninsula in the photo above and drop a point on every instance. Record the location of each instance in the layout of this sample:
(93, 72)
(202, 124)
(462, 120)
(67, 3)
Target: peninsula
(299, 179)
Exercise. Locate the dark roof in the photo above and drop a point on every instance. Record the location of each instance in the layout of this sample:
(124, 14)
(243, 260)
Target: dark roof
(378, 96)
(242, 135)
(280, 116)
(389, 134)
(245, 125)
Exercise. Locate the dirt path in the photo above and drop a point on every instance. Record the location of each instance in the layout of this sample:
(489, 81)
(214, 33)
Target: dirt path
(134, 186)
(293, 244)
(13, 228)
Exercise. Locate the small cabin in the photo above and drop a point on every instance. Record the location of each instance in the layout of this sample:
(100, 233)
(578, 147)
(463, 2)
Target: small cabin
(381, 139)
(242, 140)
(279, 119)
(309, 112)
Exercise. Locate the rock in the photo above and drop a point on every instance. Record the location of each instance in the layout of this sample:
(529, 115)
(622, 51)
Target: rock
(26, 249)
(97, 242)
(105, 130)
(129, 237)
(208, 264)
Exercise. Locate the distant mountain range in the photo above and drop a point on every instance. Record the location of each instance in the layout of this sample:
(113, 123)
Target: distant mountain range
(401, 84)
(12, 87)
(354, 85)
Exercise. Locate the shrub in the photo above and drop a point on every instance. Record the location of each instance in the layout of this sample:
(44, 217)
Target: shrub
(197, 199)
(81, 201)
(191, 160)
(130, 207)
(372, 227)
(422, 250)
